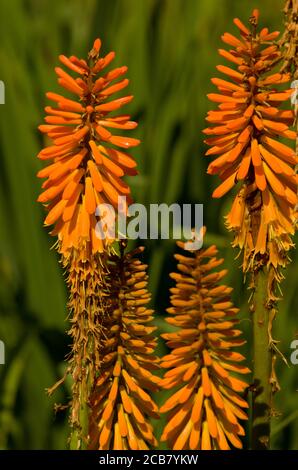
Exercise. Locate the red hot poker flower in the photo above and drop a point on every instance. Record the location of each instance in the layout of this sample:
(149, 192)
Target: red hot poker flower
(205, 407)
(244, 138)
(87, 160)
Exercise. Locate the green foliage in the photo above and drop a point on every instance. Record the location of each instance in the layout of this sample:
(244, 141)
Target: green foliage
(170, 49)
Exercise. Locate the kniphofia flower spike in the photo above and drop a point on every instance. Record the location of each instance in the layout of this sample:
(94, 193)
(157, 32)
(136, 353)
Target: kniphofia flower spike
(121, 403)
(245, 137)
(205, 407)
(87, 159)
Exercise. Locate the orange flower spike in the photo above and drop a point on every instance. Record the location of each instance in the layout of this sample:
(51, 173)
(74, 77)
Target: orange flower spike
(202, 358)
(120, 404)
(83, 154)
(244, 134)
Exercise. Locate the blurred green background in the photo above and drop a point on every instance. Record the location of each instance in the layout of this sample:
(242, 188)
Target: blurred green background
(170, 47)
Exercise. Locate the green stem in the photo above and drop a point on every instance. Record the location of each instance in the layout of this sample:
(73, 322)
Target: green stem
(78, 438)
(262, 366)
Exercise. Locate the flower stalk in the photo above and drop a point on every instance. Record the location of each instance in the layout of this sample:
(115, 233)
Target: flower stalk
(262, 365)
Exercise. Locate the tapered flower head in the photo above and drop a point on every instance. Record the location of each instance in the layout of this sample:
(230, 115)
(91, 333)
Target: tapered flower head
(121, 405)
(205, 407)
(87, 158)
(252, 116)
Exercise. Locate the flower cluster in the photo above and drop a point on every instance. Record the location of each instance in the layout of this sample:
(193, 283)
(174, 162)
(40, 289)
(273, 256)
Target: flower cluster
(121, 407)
(245, 137)
(205, 406)
(87, 159)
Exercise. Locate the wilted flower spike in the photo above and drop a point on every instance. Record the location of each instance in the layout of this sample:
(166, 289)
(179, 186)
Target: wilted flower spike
(205, 408)
(86, 165)
(121, 405)
(243, 136)
(89, 287)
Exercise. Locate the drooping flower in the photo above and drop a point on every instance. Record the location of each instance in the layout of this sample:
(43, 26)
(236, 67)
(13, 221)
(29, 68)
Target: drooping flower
(121, 407)
(205, 407)
(244, 136)
(87, 159)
